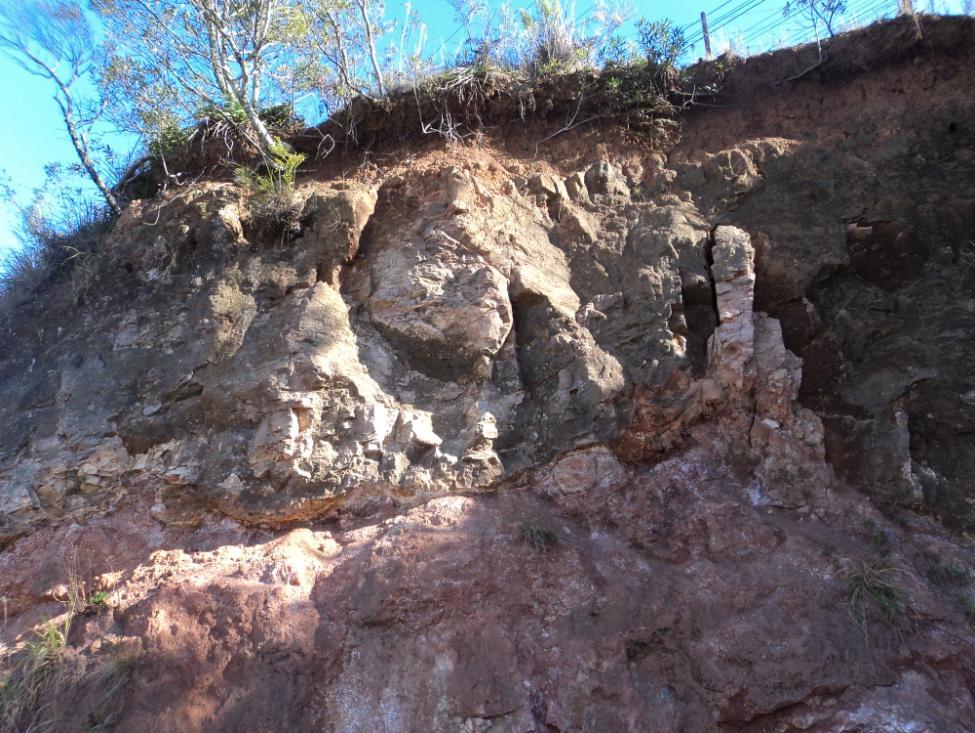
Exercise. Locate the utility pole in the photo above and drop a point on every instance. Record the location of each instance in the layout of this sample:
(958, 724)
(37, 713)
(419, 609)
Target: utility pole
(707, 33)
(907, 10)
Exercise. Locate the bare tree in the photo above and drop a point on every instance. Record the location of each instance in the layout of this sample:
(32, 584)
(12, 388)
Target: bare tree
(337, 47)
(192, 54)
(817, 13)
(53, 40)
(344, 36)
(369, 31)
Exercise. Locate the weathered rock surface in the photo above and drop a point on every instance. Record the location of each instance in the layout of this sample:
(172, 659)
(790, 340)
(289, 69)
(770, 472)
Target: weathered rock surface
(460, 347)
(663, 598)
(500, 443)
(860, 202)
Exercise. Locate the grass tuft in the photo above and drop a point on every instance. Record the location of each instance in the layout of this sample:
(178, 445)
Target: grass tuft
(538, 537)
(950, 572)
(45, 683)
(63, 246)
(969, 606)
(25, 676)
(966, 255)
(873, 584)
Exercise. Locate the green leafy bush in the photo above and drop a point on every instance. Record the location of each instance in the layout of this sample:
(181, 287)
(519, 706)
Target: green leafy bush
(230, 111)
(661, 42)
(280, 117)
(276, 177)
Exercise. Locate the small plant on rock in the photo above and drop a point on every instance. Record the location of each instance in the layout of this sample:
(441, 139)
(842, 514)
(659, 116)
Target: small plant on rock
(969, 605)
(271, 189)
(99, 600)
(25, 675)
(874, 584)
(950, 572)
(75, 594)
(538, 537)
(966, 256)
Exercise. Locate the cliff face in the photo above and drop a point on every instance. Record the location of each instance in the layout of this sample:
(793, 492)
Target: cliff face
(593, 439)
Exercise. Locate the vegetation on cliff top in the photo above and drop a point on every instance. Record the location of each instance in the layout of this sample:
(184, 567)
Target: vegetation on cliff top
(218, 85)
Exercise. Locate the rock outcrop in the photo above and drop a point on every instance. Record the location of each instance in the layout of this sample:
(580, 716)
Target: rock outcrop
(611, 439)
(449, 356)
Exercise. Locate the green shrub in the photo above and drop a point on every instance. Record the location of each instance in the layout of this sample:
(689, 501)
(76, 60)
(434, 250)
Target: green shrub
(230, 111)
(280, 117)
(661, 42)
(276, 177)
(168, 139)
(637, 96)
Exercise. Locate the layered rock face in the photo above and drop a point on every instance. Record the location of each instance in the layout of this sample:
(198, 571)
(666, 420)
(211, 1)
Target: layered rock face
(475, 342)
(491, 442)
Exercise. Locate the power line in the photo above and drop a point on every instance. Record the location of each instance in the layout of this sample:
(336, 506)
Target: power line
(726, 19)
(693, 23)
(763, 26)
(715, 20)
(874, 11)
(736, 12)
(725, 14)
(857, 15)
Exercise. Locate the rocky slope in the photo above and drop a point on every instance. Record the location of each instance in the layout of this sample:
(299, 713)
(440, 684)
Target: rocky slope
(595, 439)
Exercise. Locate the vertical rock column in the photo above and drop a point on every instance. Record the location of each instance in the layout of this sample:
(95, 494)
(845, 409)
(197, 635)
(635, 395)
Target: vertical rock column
(731, 348)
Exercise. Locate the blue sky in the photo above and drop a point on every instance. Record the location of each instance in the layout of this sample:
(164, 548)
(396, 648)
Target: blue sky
(34, 135)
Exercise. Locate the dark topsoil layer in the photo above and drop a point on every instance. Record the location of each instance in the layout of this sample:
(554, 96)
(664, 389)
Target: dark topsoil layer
(648, 103)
